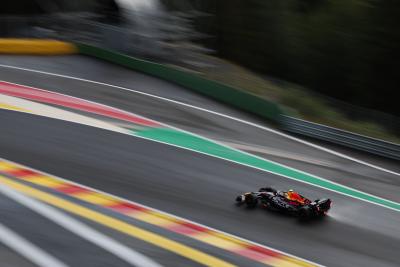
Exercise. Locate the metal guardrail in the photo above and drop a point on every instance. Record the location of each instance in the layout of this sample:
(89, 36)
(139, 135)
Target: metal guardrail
(341, 137)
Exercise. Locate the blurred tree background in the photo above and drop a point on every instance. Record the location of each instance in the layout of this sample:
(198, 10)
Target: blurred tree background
(347, 49)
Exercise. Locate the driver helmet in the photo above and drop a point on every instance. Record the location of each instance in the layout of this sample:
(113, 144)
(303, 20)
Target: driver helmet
(291, 194)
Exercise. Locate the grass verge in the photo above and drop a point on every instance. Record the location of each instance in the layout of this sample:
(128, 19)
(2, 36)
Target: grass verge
(297, 101)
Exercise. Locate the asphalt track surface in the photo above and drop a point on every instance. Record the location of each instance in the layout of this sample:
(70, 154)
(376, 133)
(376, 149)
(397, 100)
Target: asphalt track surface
(321, 163)
(196, 186)
(54, 239)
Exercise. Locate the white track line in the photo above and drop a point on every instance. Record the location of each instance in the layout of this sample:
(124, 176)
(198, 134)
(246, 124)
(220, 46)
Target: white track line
(57, 113)
(123, 252)
(240, 151)
(160, 211)
(253, 167)
(338, 154)
(28, 250)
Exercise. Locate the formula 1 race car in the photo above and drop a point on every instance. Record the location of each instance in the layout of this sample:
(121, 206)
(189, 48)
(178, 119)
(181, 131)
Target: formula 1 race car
(289, 202)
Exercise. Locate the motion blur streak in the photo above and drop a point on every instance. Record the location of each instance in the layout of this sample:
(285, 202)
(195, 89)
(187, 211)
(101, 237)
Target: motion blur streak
(80, 229)
(187, 140)
(27, 249)
(11, 107)
(118, 225)
(36, 46)
(181, 226)
(330, 151)
(70, 102)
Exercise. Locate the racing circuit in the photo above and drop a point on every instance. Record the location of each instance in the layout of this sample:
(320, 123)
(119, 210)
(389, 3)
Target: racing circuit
(123, 163)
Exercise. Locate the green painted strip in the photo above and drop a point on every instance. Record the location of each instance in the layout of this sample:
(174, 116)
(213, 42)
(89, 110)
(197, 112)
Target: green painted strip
(218, 91)
(192, 142)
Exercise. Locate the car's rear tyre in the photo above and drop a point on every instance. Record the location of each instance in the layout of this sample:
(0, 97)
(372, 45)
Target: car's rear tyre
(305, 213)
(239, 198)
(324, 204)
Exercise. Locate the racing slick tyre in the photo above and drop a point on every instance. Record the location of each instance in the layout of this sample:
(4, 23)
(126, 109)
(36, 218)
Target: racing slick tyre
(305, 213)
(251, 201)
(239, 198)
